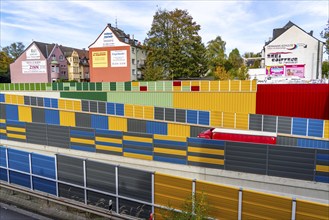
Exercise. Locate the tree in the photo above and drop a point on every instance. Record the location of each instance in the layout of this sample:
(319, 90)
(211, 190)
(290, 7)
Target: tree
(215, 54)
(325, 69)
(325, 35)
(14, 50)
(235, 62)
(221, 74)
(174, 46)
(5, 61)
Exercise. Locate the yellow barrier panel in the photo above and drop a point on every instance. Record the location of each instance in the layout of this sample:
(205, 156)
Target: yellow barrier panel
(8, 98)
(171, 191)
(222, 200)
(129, 110)
(149, 112)
(138, 111)
(20, 99)
(67, 118)
(214, 86)
(117, 124)
(326, 129)
(69, 105)
(204, 86)
(77, 105)
(224, 86)
(242, 121)
(24, 113)
(235, 86)
(178, 130)
(228, 120)
(306, 210)
(61, 104)
(257, 205)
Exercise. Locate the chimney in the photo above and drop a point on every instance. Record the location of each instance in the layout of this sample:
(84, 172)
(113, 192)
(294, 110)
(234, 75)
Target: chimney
(311, 33)
(109, 24)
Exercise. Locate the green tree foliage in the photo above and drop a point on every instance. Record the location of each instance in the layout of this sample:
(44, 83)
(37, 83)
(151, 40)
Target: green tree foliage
(174, 46)
(235, 59)
(14, 50)
(255, 62)
(215, 54)
(5, 61)
(325, 69)
(325, 35)
(221, 73)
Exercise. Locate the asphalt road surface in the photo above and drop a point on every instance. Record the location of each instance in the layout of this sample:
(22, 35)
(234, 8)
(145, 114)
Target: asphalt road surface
(8, 212)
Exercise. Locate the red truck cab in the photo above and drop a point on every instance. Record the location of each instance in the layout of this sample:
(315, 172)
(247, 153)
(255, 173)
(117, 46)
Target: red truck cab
(207, 134)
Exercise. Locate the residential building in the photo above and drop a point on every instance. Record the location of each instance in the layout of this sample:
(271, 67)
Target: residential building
(293, 52)
(115, 57)
(78, 63)
(43, 62)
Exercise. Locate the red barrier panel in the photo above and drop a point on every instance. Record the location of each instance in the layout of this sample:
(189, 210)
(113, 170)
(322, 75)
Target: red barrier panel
(294, 100)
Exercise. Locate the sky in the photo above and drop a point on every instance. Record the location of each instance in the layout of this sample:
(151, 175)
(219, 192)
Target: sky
(244, 25)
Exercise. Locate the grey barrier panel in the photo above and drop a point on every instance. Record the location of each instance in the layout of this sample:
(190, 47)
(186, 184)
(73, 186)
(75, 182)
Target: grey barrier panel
(34, 101)
(100, 200)
(40, 101)
(38, 115)
(100, 176)
(102, 107)
(2, 111)
(289, 141)
(36, 133)
(70, 170)
(85, 105)
(291, 162)
(71, 192)
(269, 123)
(82, 120)
(255, 122)
(169, 114)
(284, 125)
(135, 184)
(135, 209)
(93, 106)
(135, 125)
(196, 130)
(246, 157)
(181, 115)
(58, 136)
(27, 100)
(158, 113)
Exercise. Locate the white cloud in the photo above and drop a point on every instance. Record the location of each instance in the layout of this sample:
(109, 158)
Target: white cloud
(242, 24)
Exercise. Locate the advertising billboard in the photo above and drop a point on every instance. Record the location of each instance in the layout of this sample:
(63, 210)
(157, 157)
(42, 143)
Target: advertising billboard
(118, 58)
(275, 70)
(32, 53)
(295, 70)
(99, 59)
(35, 66)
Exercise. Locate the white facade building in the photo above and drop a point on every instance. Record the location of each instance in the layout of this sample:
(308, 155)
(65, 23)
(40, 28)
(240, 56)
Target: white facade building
(293, 52)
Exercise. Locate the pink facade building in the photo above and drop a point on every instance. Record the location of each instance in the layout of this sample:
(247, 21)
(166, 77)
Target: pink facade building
(43, 62)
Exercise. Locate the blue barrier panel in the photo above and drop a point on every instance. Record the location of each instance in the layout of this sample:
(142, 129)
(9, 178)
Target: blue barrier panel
(153, 127)
(43, 165)
(82, 139)
(322, 166)
(20, 179)
(3, 157)
(299, 126)
(192, 116)
(12, 112)
(119, 109)
(43, 185)
(51, 116)
(309, 143)
(47, 102)
(315, 128)
(18, 160)
(99, 121)
(54, 103)
(110, 108)
(2, 97)
(203, 118)
(3, 174)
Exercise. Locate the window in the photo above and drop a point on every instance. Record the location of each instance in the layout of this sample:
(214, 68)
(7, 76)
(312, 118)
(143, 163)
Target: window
(133, 50)
(61, 57)
(133, 61)
(133, 72)
(53, 57)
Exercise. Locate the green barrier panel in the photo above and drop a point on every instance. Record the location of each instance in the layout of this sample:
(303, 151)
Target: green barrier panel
(113, 86)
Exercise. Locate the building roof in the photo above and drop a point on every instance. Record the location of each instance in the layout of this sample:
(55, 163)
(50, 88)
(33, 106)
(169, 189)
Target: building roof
(67, 51)
(121, 35)
(44, 48)
(279, 31)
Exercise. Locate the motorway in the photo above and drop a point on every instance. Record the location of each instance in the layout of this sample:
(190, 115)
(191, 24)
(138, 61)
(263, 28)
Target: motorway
(8, 212)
